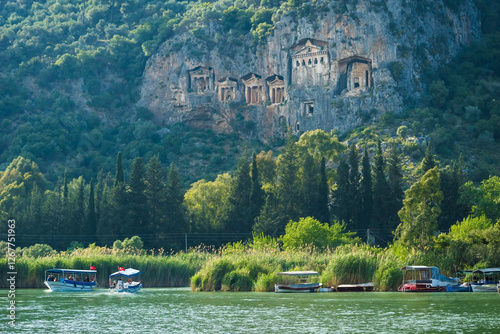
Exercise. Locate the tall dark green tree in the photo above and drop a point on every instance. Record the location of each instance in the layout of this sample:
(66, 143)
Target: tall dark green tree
(79, 211)
(381, 194)
(354, 185)
(35, 215)
(138, 214)
(269, 220)
(323, 214)
(257, 194)
(428, 162)
(174, 198)
(452, 209)
(309, 189)
(288, 187)
(341, 205)
(119, 169)
(156, 194)
(395, 181)
(91, 221)
(366, 192)
(238, 217)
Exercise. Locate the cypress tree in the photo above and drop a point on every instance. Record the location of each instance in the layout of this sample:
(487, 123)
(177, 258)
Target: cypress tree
(366, 193)
(288, 188)
(79, 213)
(238, 218)
(119, 169)
(323, 214)
(354, 191)
(341, 205)
(257, 194)
(395, 181)
(91, 223)
(138, 212)
(174, 198)
(381, 193)
(309, 193)
(269, 220)
(155, 193)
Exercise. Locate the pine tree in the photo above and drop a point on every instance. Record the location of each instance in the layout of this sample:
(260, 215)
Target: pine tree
(354, 191)
(428, 162)
(341, 205)
(323, 214)
(257, 194)
(35, 217)
(366, 192)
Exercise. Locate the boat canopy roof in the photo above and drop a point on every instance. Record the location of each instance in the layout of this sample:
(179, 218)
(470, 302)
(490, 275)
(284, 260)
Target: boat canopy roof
(129, 272)
(417, 268)
(487, 270)
(68, 271)
(298, 273)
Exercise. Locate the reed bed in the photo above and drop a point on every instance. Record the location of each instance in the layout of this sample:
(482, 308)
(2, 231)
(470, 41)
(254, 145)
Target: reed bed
(160, 269)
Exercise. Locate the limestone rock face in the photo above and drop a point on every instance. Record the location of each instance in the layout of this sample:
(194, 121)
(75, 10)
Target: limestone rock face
(340, 70)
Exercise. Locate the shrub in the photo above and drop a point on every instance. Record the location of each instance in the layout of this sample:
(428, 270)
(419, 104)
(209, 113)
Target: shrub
(38, 250)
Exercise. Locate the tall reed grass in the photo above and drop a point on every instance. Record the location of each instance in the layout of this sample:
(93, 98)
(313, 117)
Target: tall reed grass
(159, 269)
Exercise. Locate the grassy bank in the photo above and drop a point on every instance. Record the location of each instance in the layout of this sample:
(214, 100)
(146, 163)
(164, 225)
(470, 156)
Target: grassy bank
(159, 270)
(251, 269)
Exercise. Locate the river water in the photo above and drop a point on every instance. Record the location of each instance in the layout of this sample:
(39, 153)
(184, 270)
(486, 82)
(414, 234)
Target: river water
(183, 311)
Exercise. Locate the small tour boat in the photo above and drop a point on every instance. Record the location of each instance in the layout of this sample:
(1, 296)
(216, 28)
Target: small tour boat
(489, 281)
(298, 287)
(122, 281)
(71, 279)
(363, 287)
(425, 279)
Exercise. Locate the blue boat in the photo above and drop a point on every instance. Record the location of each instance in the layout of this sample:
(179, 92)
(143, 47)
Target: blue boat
(70, 280)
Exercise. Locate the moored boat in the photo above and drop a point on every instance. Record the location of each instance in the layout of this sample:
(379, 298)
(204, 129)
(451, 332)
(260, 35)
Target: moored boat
(122, 280)
(489, 281)
(71, 280)
(363, 287)
(302, 286)
(425, 279)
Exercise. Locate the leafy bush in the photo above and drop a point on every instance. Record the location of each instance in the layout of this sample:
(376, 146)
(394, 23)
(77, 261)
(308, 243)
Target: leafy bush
(39, 250)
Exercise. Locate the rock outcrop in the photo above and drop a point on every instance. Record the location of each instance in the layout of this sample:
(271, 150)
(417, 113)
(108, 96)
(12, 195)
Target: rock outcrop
(340, 70)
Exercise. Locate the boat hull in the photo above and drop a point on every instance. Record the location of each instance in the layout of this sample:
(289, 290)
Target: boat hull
(458, 288)
(300, 288)
(484, 288)
(129, 289)
(355, 287)
(421, 287)
(68, 286)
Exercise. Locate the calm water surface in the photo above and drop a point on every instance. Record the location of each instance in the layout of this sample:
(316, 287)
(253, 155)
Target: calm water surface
(183, 311)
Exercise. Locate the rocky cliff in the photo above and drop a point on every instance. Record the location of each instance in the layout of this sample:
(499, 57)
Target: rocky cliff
(342, 67)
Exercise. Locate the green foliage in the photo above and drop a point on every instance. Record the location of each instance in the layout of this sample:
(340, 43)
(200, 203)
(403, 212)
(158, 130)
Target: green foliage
(38, 250)
(388, 276)
(133, 245)
(421, 207)
(485, 200)
(309, 232)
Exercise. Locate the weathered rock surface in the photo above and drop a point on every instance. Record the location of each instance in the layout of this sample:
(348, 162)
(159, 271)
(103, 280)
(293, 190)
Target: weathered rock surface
(338, 71)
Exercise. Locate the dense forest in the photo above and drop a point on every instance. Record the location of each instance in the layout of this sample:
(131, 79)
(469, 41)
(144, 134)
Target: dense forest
(97, 171)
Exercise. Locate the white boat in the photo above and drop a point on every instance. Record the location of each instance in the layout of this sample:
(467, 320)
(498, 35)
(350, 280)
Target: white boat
(122, 281)
(71, 280)
(489, 281)
(298, 287)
